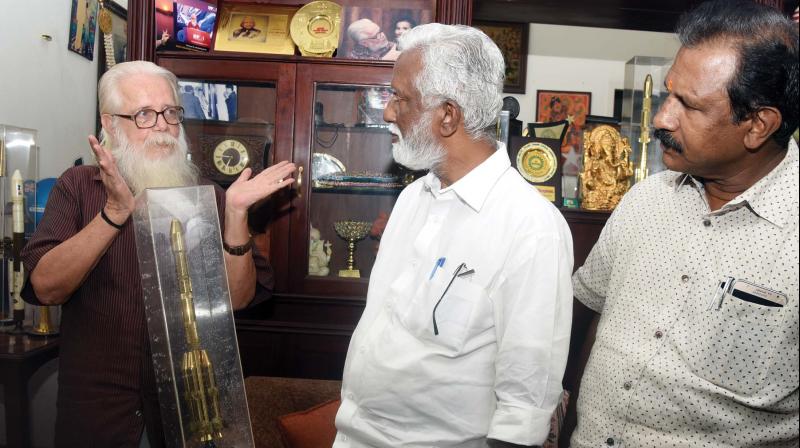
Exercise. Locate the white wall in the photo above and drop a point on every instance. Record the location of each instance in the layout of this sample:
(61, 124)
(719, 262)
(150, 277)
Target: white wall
(585, 60)
(45, 86)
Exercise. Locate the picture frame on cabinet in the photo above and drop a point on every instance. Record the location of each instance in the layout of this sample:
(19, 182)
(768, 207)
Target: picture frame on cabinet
(208, 101)
(255, 29)
(359, 38)
(555, 105)
(512, 39)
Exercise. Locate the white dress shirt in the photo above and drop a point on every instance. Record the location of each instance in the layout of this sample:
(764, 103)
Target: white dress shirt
(669, 368)
(495, 368)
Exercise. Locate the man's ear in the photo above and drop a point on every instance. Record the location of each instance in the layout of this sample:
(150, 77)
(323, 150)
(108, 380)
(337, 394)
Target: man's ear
(763, 123)
(451, 118)
(107, 122)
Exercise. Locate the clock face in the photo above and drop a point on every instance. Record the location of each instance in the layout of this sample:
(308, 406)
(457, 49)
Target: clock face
(230, 157)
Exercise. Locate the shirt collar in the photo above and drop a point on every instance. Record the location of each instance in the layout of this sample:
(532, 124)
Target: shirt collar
(475, 186)
(768, 198)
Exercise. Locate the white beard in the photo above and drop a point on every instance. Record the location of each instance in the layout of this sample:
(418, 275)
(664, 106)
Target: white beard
(419, 150)
(158, 162)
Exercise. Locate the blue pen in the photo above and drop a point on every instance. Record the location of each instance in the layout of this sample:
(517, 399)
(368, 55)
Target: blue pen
(439, 264)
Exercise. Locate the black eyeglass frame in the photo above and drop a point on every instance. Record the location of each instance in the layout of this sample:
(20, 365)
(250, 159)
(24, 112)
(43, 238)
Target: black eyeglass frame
(132, 117)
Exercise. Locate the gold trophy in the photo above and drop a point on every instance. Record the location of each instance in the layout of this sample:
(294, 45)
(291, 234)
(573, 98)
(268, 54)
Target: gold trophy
(644, 135)
(201, 394)
(315, 28)
(352, 232)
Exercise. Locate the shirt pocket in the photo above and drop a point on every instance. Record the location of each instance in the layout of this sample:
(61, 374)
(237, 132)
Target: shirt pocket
(461, 314)
(732, 346)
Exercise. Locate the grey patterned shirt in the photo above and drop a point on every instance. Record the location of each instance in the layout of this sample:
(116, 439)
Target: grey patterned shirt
(672, 366)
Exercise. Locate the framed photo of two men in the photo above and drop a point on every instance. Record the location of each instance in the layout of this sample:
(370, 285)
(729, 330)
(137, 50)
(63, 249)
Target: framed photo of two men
(371, 28)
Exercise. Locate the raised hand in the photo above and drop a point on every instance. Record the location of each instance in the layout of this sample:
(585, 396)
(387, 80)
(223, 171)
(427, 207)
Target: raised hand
(245, 191)
(120, 202)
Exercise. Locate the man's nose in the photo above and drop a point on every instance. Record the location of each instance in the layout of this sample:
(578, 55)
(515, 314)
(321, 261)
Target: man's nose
(665, 117)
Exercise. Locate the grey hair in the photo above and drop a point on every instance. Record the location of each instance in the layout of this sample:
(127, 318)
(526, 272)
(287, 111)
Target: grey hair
(108, 96)
(460, 64)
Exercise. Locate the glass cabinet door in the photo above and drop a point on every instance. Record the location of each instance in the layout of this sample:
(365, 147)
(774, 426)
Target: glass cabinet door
(354, 180)
(353, 185)
(230, 126)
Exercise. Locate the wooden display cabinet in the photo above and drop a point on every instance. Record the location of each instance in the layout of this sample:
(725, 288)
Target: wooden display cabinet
(304, 330)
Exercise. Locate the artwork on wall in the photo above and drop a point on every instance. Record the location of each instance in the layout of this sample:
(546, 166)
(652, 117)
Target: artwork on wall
(82, 27)
(372, 32)
(512, 39)
(555, 105)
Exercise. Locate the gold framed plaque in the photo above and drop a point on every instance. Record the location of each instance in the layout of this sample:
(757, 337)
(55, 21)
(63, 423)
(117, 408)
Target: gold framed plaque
(539, 164)
(255, 29)
(315, 28)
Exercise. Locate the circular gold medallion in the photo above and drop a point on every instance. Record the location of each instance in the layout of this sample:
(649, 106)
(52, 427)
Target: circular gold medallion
(315, 28)
(230, 157)
(537, 162)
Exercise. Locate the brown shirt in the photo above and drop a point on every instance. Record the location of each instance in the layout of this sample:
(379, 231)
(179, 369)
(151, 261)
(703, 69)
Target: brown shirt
(106, 383)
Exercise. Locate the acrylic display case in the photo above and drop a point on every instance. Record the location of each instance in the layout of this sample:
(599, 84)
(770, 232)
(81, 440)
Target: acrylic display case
(190, 320)
(636, 71)
(21, 211)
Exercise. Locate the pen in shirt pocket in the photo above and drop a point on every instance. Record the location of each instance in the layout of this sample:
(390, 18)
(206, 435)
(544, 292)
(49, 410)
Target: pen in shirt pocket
(439, 263)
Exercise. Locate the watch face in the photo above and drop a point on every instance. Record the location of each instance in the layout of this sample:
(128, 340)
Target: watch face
(231, 157)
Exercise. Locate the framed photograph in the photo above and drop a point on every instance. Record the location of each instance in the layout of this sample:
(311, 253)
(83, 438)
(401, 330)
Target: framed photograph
(194, 24)
(555, 105)
(512, 39)
(208, 101)
(82, 27)
(372, 32)
(255, 29)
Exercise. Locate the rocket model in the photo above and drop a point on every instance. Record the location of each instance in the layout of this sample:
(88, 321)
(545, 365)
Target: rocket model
(16, 274)
(201, 394)
(644, 136)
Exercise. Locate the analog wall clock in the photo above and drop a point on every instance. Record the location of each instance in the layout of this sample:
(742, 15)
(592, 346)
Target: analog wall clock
(230, 157)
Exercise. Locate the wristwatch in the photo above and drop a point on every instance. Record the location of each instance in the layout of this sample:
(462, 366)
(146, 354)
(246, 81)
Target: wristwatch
(238, 250)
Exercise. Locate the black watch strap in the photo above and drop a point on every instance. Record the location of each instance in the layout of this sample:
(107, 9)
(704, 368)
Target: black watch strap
(238, 250)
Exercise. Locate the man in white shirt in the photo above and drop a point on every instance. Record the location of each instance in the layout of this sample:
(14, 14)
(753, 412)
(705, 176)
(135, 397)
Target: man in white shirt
(464, 338)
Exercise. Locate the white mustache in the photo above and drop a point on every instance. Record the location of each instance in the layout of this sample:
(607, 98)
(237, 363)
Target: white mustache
(394, 130)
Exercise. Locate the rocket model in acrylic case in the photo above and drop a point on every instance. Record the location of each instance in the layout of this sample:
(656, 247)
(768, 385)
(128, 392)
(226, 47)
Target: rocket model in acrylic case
(190, 319)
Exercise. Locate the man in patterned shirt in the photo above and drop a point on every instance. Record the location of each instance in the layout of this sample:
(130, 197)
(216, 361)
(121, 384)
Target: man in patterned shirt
(695, 276)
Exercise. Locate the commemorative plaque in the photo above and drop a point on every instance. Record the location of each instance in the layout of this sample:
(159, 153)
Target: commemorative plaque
(315, 28)
(538, 160)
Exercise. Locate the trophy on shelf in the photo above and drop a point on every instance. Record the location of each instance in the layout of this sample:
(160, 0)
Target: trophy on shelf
(42, 322)
(352, 232)
(201, 393)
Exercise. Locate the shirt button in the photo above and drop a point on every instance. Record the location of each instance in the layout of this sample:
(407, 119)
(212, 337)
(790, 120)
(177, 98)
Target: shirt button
(627, 386)
(659, 334)
(351, 397)
(610, 441)
(138, 412)
(707, 222)
(684, 278)
(343, 438)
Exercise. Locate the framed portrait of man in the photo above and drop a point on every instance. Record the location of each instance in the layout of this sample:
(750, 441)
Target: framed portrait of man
(255, 29)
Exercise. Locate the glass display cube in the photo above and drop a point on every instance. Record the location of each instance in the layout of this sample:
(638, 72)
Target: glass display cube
(636, 71)
(190, 319)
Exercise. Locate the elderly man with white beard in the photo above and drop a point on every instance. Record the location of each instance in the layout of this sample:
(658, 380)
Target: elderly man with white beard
(83, 256)
(464, 338)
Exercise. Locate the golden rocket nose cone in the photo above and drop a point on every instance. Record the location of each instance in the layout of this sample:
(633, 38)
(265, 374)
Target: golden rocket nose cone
(176, 233)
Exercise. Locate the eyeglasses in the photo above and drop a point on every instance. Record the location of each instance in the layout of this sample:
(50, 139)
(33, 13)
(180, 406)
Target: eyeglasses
(147, 118)
(456, 274)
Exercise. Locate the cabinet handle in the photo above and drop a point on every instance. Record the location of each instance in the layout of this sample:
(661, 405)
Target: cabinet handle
(299, 182)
